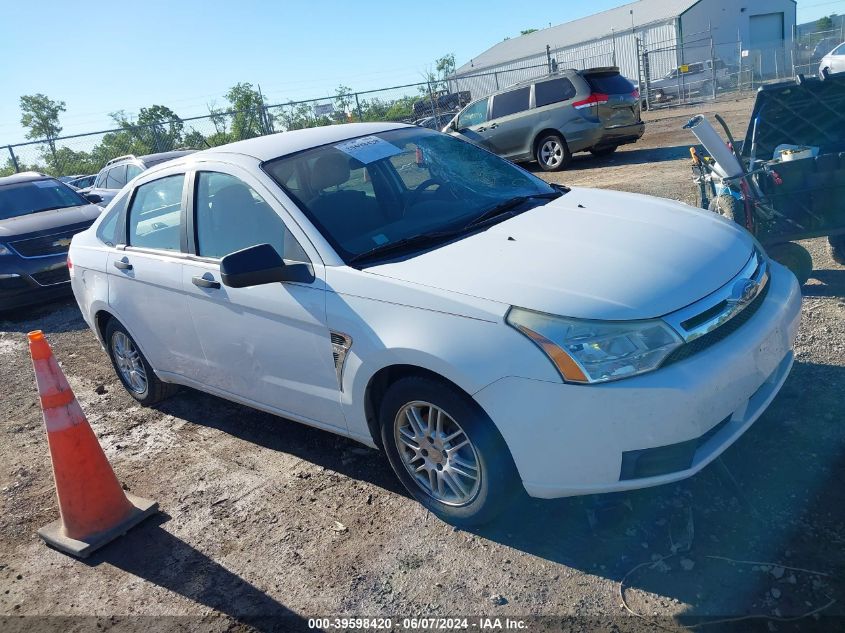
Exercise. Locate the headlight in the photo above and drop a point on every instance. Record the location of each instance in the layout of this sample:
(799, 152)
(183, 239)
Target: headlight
(597, 351)
(4, 250)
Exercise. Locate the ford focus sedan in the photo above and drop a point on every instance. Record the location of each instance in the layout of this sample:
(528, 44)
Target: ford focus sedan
(414, 292)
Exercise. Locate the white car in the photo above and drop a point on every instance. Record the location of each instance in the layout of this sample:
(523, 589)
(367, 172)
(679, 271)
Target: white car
(834, 61)
(419, 294)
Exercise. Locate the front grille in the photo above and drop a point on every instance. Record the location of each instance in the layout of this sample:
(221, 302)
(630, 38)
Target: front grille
(45, 245)
(54, 276)
(719, 334)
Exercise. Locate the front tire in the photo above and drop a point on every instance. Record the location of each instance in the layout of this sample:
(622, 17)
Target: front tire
(552, 153)
(446, 451)
(132, 368)
(728, 207)
(795, 257)
(836, 246)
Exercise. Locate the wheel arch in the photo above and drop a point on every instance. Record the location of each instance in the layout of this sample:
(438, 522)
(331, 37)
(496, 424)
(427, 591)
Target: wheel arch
(544, 132)
(381, 381)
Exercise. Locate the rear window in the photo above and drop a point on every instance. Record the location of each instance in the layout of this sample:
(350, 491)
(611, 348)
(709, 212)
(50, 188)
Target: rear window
(34, 196)
(546, 92)
(610, 84)
(510, 102)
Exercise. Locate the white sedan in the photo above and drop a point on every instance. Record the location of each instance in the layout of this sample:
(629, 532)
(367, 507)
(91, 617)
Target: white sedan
(414, 292)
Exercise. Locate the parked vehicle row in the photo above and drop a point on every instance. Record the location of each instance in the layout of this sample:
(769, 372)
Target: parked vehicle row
(414, 292)
(548, 120)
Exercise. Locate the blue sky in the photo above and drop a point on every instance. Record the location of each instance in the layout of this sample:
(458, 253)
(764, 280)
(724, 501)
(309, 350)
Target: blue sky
(99, 57)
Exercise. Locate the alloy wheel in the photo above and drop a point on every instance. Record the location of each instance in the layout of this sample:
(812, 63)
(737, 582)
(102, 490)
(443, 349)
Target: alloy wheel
(551, 153)
(437, 453)
(129, 363)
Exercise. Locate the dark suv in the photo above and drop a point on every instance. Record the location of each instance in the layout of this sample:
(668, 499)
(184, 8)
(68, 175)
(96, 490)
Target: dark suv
(38, 217)
(118, 171)
(551, 118)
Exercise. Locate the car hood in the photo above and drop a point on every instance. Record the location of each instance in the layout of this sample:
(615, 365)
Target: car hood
(44, 220)
(590, 254)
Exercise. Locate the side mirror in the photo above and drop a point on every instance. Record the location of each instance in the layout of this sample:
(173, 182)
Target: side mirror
(259, 265)
(93, 197)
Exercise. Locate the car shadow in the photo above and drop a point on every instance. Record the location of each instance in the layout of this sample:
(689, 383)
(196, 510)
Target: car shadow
(188, 572)
(623, 156)
(58, 316)
(774, 497)
(832, 284)
(323, 448)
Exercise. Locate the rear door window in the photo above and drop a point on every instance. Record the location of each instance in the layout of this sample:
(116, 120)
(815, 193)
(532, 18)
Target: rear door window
(116, 177)
(554, 91)
(610, 84)
(156, 213)
(510, 102)
(132, 171)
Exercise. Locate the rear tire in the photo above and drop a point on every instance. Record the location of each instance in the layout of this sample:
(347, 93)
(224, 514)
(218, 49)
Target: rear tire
(836, 247)
(795, 257)
(552, 153)
(425, 459)
(132, 368)
(728, 207)
(604, 151)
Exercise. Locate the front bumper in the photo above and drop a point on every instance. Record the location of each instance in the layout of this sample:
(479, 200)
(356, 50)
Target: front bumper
(25, 282)
(582, 439)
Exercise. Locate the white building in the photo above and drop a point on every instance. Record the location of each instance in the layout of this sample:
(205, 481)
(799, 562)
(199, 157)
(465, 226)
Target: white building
(674, 32)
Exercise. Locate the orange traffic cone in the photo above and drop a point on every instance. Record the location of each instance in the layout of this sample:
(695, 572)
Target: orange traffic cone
(94, 509)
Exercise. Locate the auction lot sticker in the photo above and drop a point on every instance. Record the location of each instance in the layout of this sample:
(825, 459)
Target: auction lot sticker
(368, 149)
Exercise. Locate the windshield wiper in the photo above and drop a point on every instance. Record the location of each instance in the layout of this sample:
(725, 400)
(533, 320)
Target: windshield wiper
(510, 204)
(405, 244)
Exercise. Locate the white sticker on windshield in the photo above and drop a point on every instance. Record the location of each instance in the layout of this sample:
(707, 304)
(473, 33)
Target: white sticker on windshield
(368, 149)
(44, 184)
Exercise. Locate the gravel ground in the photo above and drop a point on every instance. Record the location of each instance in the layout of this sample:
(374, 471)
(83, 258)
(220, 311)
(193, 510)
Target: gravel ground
(264, 517)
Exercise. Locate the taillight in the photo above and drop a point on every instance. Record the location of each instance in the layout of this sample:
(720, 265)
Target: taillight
(635, 94)
(69, 263)
(597, 98)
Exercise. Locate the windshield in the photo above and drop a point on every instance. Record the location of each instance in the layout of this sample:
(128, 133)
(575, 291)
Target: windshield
(378, 190)
(23, 198)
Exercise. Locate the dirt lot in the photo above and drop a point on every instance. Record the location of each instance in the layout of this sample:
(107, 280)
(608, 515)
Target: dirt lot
(264, 517)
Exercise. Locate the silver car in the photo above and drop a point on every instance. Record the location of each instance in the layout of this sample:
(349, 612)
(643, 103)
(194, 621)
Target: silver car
(834, 61)
(549, 119)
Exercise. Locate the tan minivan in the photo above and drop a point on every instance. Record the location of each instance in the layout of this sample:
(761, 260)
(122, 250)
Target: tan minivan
(549, 119)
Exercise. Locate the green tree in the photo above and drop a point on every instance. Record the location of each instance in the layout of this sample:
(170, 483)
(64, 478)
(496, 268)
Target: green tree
(444, 67)
(248, 119)
(40, 114)
(527, 31)
(343, 101)
(824, 23)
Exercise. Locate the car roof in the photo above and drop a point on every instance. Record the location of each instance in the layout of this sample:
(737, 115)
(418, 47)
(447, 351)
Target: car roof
(284, 143)
(160, 157)
(24, 176)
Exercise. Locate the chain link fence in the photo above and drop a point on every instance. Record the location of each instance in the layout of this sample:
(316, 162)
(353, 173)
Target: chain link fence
(669, 75)
(431, 104)
(704, 69)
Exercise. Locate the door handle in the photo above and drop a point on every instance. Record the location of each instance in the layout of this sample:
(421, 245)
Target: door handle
(123, 264)
(205, 282)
